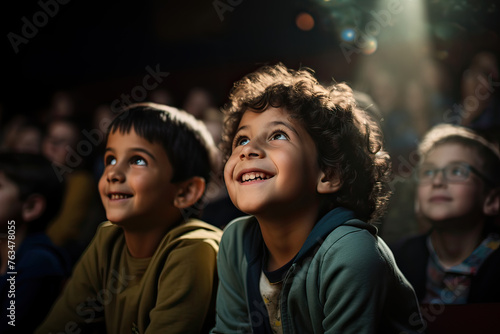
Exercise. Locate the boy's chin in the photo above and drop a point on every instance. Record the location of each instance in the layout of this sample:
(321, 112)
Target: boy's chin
(259, 212)
(451, 224)
(250, 208)
(119, 221)
(246, 211)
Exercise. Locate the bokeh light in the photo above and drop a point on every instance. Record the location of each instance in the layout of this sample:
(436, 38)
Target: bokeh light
(348, 35)
(370, 45)
(304, 21)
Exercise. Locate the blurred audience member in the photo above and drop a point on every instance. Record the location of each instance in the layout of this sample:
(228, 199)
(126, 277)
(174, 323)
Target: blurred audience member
(421, 114)
(213, 120)
(480, 104)
(458, 260)
(386, 93)
(397, 124)
(61, 105)
(436, 80)
(198, 101)
(101, 118)
(64, 145)
(161, 96)
(30, 197)
(22, 135)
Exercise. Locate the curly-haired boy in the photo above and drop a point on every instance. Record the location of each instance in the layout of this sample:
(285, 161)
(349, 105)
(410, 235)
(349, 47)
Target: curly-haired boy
(309, 168)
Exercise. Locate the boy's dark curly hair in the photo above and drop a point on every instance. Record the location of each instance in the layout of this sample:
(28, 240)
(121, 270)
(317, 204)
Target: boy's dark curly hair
(349, 143)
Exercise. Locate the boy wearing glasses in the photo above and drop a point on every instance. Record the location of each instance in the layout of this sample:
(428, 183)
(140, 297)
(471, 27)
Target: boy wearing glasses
(458, 194)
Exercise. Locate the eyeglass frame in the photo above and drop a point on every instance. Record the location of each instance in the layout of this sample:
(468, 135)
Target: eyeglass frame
(436, 171)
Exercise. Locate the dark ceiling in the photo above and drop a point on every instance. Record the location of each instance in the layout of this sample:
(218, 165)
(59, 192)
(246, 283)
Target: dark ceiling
(101, 47)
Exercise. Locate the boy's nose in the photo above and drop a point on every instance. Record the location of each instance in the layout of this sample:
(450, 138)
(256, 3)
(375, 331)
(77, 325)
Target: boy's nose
(115, 175)
(438, 179)
(251, 150)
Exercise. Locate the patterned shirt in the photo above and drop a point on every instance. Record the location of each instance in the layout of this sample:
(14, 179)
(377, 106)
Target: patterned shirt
(270, 285)
(452, 285)
(271, 295)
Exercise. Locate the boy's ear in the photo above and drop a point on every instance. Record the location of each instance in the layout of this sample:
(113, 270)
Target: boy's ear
(33, 207)
(328, 185)
(491, 205)
(189, 192)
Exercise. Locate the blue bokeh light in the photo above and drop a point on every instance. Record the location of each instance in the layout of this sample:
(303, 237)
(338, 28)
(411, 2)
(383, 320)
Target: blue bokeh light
(348, 35)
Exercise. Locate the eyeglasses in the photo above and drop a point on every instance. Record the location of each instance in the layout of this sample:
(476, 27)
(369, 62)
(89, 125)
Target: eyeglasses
(457, 172)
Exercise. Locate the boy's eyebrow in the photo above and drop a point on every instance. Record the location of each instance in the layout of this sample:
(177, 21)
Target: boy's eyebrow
(272, 124)
(449, 162)
(275, 123)
(134, 149)
(241, 128)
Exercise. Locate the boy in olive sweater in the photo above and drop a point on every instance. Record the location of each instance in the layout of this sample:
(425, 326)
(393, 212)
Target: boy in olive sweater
(152, 267)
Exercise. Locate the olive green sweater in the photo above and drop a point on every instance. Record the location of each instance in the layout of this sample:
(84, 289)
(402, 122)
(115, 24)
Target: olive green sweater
(171, 292)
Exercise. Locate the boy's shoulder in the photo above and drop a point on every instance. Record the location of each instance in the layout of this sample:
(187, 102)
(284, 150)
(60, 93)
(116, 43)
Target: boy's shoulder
(191, 229)
(352, 233)
(107, 229)
(240, 223)
(191, 238)
(194, 229)
(240, 228)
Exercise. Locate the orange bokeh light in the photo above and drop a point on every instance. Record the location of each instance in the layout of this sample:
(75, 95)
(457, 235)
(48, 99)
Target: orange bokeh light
(304, 21)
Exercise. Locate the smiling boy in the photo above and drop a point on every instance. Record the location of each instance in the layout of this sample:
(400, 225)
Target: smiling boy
(308, 167)
(152, 267)
(458, 194)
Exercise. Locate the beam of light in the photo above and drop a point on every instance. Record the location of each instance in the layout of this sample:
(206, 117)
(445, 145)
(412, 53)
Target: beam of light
(393, 38)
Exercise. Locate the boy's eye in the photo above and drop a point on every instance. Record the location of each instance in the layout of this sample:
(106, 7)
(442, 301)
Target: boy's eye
(110, 160)
(458, 171)
(428, 172)
(139, 161)
(241, 141)
(278, 136)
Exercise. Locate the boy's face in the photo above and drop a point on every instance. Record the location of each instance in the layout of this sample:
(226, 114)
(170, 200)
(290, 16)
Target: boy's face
(10, 203)
(135, 186)
(441, 200)
(273, 166)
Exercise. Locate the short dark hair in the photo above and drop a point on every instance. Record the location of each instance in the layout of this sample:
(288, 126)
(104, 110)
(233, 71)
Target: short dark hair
(33, 174)
(349, 143)
(186, 140)
(456, 134)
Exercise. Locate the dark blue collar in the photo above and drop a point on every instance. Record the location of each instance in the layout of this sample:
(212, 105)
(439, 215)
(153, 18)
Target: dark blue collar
(323, 227)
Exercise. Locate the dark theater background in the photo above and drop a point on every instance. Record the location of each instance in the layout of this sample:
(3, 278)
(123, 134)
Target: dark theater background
(100, 49)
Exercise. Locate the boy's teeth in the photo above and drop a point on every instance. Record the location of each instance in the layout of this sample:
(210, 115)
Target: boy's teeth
(252, 176)
(118, 196)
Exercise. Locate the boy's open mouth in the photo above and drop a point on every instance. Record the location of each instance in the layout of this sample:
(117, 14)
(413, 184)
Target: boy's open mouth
(118, 196)
(253, 176)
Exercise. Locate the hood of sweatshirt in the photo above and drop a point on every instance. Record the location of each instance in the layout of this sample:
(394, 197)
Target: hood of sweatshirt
(329, 222)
